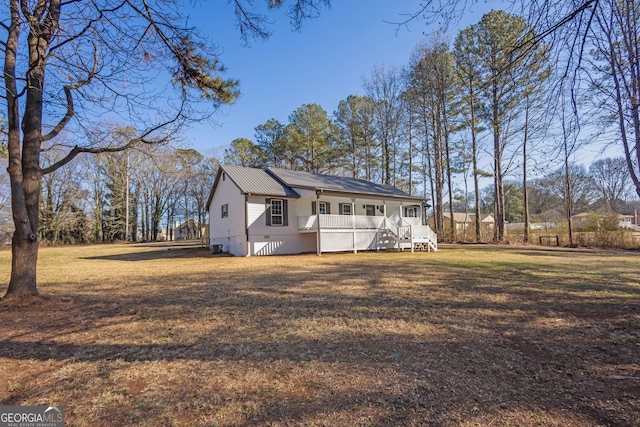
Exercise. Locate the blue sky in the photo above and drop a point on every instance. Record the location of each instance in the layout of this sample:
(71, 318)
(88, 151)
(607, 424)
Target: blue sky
(323, 63)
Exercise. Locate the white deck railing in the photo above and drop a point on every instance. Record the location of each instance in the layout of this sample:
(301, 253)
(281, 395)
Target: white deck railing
(409, 230)
(340, 222)
(424, 233)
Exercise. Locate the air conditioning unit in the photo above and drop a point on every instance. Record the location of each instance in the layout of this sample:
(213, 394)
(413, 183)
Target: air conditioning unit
(216, 249)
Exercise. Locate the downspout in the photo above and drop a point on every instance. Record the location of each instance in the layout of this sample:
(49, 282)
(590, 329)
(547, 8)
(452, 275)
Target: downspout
(353, 224)
(384, 212)
(423, 212)
(384, 221)
(400, 225)
(246, 225)
(318, 240)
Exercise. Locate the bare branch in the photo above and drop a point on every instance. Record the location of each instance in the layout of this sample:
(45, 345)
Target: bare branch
(410, 17)
(67, 91)
(142, 139)
(89, 25)
(305, 9)
(250, 23)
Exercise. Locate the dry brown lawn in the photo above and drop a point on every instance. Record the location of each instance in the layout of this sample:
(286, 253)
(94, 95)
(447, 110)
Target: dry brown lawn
(162, 335)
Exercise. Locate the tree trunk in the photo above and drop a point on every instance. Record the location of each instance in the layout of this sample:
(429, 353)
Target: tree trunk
(525, 194)
(498, 182)
(24, 260)
(439, 172)
(410, 155)
(525, 189)
(567, 178)
(25, 199)
(24, 167)
(448, 165)
(568, 191)
(474, 149)
(386, 161)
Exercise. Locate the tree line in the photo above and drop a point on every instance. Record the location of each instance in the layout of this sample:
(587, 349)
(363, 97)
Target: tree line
(454, 117)
(492, 105)
(140, 195)
(135, 195)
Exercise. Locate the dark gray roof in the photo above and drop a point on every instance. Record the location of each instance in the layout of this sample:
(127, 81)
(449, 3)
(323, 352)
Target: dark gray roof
(336, 184)
(257, 182)
(279, 182)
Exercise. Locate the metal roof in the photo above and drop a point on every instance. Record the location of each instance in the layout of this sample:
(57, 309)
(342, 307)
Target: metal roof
(314, 181)
(281, 183)
(257, 182)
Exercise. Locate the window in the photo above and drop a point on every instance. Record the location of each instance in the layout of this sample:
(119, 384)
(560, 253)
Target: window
(411, 212)
(371, 210)
(276, 212)
(325, 208)
(225, 210)
(345, 209)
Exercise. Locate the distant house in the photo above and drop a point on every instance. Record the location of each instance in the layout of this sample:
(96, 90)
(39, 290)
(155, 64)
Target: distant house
(545, 220)
(581, 220)
(187, 230)
(626, 220)
(551, 217)
(277, 211)
(161, 236)
(585, 219)
(466, 221)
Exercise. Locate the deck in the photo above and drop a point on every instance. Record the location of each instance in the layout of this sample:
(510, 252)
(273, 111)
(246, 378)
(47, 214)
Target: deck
(360, 232)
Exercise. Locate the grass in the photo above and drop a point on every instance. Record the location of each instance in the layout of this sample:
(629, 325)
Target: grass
(164, 335)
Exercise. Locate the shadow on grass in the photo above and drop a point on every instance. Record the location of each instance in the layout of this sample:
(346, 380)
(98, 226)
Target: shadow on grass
(166, 253)
(441, 341)
(420, 381)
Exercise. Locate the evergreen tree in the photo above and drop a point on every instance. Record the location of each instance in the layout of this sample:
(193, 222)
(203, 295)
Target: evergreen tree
(507, 68)
(467, 68)
(354, 119)
(432, 87)
(243, 152)
(315, 135)
(271, 140)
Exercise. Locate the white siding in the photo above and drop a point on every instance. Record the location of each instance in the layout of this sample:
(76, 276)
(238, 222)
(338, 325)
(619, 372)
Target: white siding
(341, 241)
(230, 231)
(276, 240)
(393, 207)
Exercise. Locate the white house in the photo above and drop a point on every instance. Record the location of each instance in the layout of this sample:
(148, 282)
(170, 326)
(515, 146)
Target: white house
(278, 211)
(187, 230)
(466, 221)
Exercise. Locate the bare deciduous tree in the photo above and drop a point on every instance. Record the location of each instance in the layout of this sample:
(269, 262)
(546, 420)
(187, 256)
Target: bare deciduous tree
(617, 64)
(611, 179)
(384, 88)
(86, 59)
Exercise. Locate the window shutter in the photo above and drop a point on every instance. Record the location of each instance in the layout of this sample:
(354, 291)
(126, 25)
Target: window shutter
(328, 208)
(285, 213)
(313, 208)
(267, 210)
